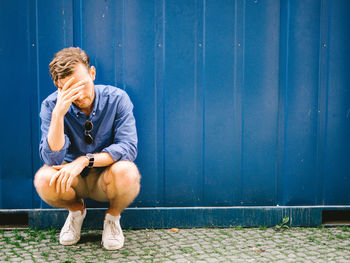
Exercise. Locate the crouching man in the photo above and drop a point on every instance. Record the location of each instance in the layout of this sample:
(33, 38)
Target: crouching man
(88, 145)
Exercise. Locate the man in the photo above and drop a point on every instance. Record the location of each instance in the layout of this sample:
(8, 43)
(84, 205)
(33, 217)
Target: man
(88, 145)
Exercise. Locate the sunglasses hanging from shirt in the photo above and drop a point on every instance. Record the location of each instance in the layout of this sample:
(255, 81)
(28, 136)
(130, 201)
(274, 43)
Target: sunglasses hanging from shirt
(88, 127)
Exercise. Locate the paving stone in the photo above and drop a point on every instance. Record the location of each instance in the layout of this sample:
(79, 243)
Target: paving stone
(191, 245)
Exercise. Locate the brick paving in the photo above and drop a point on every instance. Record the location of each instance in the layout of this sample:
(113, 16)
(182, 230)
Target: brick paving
(187, 245)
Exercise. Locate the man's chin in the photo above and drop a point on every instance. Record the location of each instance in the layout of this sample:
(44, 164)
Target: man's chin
(82, 105)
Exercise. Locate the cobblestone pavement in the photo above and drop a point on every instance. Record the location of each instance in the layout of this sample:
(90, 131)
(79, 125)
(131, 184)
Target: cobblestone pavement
(187, 245)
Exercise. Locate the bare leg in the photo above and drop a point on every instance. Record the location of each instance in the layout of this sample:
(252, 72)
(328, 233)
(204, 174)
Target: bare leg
(48, 193)
(121, 183)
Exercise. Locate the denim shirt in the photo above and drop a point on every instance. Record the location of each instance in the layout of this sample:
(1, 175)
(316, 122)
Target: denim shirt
(114, 129)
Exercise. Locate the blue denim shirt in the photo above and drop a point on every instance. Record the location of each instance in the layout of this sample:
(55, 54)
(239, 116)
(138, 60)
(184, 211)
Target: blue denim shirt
(114, 129)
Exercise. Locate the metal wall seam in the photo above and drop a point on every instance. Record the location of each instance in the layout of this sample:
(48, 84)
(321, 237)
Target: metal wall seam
(238, 90)
(203, 90)
(322, 100)
(242, 75)
(159, 56)
(123, 46)
(282, 99)
(37, 73)
(198, 96)
(119, 62)
(34, 100)
(78, 23)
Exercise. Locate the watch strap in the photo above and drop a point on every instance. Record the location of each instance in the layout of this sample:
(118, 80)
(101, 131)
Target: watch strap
(91, 158)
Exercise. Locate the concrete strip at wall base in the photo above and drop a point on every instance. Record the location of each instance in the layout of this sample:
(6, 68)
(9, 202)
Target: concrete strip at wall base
(186, 217)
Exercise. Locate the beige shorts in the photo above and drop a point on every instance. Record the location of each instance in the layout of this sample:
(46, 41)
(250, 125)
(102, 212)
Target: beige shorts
(89, 185)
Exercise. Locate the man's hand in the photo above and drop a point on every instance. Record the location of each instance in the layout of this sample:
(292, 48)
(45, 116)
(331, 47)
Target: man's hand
(66, 173)
(67, 94)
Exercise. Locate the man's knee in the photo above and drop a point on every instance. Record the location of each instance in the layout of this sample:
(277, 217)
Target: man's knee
(42, 177)
(125, 172)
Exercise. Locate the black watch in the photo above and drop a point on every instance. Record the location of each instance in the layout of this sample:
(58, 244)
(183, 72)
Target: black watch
(91, 160)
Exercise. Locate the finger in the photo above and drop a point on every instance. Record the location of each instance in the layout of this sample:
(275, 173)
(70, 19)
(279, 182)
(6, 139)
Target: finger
(73, 92)
(58, 183)
(74, 97)
(67, 84)
(63, 183)
(57, 167)
(69, 182)
(53, 178)
(74, 86)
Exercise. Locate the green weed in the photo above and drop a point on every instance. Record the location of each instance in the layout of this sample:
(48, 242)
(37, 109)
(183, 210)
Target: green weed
(283, 225)
(19, 237)
(340, 236)
(7, 240)
(16, 244)
(124, 253)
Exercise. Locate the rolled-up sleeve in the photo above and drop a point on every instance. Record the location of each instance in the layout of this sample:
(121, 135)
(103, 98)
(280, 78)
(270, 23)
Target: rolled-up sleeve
(48, 156)
(124, 145)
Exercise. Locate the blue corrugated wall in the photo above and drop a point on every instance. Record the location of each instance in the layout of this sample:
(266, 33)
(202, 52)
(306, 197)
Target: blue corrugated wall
(237, 102)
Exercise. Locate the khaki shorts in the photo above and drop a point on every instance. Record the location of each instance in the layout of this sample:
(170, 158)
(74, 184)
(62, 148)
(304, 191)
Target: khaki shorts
(89, 184)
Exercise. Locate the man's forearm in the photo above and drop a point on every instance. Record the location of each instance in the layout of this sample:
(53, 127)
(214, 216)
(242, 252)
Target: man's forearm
(101, 160)
(55, 137)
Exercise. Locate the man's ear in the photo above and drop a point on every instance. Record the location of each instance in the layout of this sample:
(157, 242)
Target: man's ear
(92, 72)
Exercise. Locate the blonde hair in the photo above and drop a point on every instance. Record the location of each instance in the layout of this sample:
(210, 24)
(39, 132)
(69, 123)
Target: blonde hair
(64, 61)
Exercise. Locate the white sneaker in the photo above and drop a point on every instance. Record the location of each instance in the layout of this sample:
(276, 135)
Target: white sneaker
(70, 233)
(112, 236)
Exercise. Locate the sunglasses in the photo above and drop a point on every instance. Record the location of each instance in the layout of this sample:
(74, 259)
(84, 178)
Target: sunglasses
(88, 127)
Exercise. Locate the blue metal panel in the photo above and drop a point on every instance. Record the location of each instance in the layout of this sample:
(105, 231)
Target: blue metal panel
(16, 145)
(301, 103)
(260, 101)
(237, 102)
(337, 161)
(219, 105)
(180, 185)
(140, 79)
(101, 44)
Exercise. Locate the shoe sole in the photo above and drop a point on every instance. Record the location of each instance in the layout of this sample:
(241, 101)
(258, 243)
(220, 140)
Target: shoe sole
(69, 243)
(112, 248)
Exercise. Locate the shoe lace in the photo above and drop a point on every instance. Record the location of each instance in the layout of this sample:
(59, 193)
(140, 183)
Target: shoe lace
(114, 228)
(69, 226)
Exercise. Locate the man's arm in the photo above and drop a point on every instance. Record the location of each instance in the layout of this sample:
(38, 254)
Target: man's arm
(66, 95)
(124, 146)
(101, 159)
(67, 172)
(54, 142)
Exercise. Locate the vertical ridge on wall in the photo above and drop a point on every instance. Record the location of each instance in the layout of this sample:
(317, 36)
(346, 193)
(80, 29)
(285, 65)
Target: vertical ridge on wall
(282, 100)
(33, 71)
(322, 99)
(198, 96)
(203, 97)
(77, 23)
(123, 45)
(243, 9)
(238, 73)
(159, 57)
